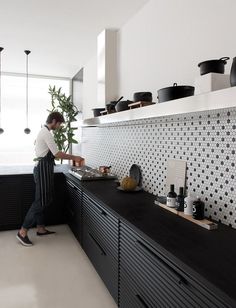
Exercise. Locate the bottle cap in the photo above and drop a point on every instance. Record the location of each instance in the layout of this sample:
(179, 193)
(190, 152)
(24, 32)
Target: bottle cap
(181, 191)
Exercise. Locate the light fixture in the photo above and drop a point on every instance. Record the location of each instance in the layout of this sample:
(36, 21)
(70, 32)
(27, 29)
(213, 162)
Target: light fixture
(27, 52)
(1, 129)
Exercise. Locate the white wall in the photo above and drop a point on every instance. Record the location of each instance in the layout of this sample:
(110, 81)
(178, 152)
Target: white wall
(90, 88)
(164, 42)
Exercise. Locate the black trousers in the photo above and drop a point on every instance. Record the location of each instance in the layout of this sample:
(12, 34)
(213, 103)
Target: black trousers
(35, 214)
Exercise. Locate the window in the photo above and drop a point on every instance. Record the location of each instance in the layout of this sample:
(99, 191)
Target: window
(17, 148)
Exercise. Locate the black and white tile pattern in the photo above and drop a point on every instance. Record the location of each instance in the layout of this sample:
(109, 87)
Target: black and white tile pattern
(207, 141)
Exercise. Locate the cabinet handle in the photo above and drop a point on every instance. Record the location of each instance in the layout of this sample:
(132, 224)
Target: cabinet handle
(179, 279)
(103, 213)
(72, 213)
(72, 186)
(97, 244)
(141, 301)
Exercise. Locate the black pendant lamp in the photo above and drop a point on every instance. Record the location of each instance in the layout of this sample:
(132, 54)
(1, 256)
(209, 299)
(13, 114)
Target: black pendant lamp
(27, 52)
(1, 129)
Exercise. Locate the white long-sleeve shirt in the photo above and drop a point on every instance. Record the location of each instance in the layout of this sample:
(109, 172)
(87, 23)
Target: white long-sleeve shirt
(45, 142)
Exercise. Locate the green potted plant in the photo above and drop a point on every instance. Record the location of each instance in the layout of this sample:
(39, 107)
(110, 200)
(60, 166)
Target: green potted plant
(64, 136)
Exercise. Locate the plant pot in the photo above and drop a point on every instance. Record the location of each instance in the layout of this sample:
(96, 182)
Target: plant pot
(175, 92)
(213, 66)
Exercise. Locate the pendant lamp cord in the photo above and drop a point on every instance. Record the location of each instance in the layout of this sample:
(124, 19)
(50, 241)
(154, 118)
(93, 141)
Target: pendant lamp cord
(27, 76)
(27, 52)
(1, 49)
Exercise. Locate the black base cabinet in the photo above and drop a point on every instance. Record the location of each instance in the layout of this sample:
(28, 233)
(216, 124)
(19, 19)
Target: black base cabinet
(10, 202)
(17, 195)
(137, 274)
(105, 264)
(100, 242)
(74, 209)
(147, 279)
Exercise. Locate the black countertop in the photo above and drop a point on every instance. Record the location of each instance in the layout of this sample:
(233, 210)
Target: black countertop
(28, 169)
(210, 256)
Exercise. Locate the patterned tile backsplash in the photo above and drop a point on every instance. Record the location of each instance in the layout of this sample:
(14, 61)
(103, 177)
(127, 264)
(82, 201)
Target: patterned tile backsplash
(206, 140)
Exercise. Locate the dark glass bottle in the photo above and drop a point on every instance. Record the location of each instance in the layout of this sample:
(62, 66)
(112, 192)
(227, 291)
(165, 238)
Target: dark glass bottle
(180, 200)
(171, 197)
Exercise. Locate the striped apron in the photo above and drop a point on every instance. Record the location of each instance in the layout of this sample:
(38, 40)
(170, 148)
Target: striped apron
(46, 178)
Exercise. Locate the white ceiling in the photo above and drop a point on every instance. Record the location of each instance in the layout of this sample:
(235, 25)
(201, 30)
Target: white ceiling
(62, 35)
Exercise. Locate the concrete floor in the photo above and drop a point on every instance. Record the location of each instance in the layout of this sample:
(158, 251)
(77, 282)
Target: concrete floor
(54, 273)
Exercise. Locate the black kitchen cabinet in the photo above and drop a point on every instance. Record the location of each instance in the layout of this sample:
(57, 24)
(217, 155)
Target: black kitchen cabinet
(148, 279)
(17, 195)
(100, 242)
(74, 209)
(10, 204)
(27, 193)
(55, 213)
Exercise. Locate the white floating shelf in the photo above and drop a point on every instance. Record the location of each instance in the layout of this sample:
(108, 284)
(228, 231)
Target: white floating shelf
(220, 99)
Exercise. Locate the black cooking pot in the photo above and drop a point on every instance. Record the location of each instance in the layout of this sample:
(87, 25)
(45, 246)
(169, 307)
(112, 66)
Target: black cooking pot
(142, 96)
(96, 111)
(213, 66)
(111, 105)
(122, 105)
(175, 92)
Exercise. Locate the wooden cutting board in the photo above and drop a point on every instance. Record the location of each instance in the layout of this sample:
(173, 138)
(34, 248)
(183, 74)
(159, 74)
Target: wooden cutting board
(204, 223)
(176, 174)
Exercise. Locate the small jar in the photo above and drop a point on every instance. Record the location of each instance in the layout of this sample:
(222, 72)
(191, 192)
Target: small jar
(198, 209)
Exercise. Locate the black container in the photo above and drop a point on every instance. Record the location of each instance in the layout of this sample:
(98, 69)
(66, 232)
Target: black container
(122, 105)
(233, 73)
(180, 200)
(213, 66)
(198, 209)
(142, 96)
(175, 92)
(96, 111)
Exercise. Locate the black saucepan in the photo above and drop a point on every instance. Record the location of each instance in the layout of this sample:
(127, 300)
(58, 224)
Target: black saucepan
(213, 66)
(175, 92)
(111, 105)
(142, 96)
(123, 105)
(96, 111)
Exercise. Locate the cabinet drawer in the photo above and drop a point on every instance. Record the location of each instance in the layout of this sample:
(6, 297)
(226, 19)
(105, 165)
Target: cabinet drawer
(74, 209)
(105, 264)
(158, 277)
(103, 225)
(133, 295)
